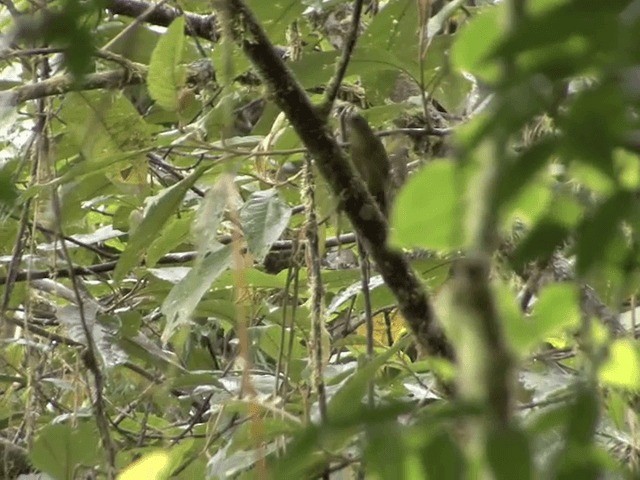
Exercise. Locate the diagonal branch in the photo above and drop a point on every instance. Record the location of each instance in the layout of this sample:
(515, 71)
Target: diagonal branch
(355, 200)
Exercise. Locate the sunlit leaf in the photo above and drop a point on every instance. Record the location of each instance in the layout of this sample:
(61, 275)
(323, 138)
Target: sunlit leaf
(622, 367)
(153, 466)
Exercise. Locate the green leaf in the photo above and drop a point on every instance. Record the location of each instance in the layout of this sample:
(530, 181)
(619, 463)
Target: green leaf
(386, 437)
(373, 60)
(267, 339)
(303, 458)
(314, 68)
(512, 317)
(529, 205)
(158, 210)
(173, 234)
(60, 449)
(165, 77)
(598, 229)
(539, 243)
(442, 458)
(474, 44)
(68, 26)
(602, 110)
(277, 16)
(347, 401)
(556, 310)
(8, 191)
(394, 29)
(428, 210)
(523, 169)
(209, 215)
(509, 454)
(100, 126)
(583, 418)
(184, 297)
(553, 27)
(622, 367)
(264, 217)
(137, 45)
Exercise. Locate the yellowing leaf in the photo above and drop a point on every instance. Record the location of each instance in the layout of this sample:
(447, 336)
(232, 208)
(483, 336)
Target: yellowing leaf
(150, 467)
(381, 332)
(622, 368)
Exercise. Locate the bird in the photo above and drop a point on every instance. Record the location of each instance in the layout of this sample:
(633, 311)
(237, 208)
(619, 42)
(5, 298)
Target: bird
(369, 158)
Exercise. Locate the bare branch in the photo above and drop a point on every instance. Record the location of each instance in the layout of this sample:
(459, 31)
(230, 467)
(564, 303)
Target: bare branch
(112, 79)
(62, 84)
(169, 259)
(203, 26)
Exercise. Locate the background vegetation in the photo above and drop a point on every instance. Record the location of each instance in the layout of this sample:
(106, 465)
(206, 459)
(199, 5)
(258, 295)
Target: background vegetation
(181, 295)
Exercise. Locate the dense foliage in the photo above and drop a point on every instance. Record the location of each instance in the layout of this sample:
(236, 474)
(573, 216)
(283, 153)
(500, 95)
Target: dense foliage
(182, 290)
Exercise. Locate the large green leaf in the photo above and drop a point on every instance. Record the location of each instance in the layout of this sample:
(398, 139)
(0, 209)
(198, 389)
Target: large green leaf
(175, 232)
(603, 109)
(61, 449)
(475, 43)
(386, 437)
(209, 215)
(509, 454)
(166, 77)
(277, 16)
(428, 210)
(556, 310)
(264, 217)
(157, 212)
(314, 68)
(598, 230)
(8, 191)
(442, 458)
(522, 169)
(184, 297)
(394, 28)
(102, 127)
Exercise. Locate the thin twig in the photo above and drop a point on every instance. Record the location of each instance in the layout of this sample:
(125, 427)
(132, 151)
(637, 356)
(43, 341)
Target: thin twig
(365, 271)
(316, 289)
(90, 354)
(333, 87)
